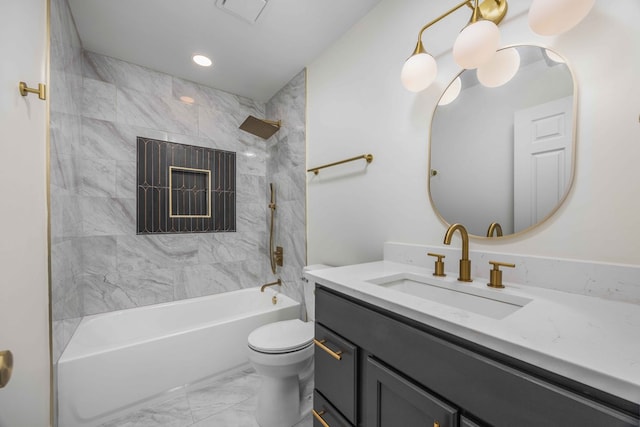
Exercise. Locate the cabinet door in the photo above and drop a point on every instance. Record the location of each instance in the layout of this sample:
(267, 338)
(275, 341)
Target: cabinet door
(335, 377)
(394, 401)
(324, 414)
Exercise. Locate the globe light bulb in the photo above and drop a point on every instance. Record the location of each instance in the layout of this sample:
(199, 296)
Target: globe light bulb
(500, 69)
(452, 92)
(553, 17)
(418, 72)
(476, 44)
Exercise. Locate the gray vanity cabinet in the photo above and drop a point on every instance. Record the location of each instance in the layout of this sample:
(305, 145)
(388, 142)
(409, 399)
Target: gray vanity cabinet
(404, 373)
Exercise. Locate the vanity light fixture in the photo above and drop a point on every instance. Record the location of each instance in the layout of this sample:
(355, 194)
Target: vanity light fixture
(475, 45)
(202, 60)
(478, 42)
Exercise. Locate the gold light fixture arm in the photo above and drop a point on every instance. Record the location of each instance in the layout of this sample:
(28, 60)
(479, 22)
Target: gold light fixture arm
(444, 15)
(367, 157)
(491, 10)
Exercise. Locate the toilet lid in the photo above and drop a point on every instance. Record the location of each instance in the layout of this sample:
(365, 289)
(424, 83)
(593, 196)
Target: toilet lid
(282, 337)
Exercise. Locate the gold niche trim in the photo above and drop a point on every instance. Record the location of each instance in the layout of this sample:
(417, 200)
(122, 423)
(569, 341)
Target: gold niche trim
(207, 192)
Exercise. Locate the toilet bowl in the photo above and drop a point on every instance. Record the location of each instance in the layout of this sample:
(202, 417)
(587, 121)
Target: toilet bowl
(279, 352)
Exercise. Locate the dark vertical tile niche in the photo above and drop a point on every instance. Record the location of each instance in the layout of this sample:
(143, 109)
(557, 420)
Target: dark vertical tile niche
(184, 189)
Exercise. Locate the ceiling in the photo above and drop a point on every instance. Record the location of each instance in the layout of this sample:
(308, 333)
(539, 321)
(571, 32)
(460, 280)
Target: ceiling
(249, 59)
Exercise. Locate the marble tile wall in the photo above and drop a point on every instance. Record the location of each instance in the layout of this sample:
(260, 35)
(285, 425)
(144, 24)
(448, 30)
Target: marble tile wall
(66, 141)
(110, 266)
(286, 168)
(99, 105)
(121, 269)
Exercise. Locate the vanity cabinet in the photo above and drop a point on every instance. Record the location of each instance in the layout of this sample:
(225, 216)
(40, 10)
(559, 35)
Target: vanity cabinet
(404, 373)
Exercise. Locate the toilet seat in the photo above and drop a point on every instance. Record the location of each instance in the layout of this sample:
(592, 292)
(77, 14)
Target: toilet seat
(282, 337)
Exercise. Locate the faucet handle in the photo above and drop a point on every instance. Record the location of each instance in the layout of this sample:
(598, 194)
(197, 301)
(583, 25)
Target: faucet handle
(439, 265)
(495, 275)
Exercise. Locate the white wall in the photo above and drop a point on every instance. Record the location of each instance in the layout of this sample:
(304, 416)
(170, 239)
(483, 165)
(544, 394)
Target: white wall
(357, 105)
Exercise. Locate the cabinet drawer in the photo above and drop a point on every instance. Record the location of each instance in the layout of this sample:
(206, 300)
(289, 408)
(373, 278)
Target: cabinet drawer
(336, 378)
(327, 413)
(394, 401)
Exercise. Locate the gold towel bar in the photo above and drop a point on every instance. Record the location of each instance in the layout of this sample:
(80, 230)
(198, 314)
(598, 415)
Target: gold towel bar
(367, 157)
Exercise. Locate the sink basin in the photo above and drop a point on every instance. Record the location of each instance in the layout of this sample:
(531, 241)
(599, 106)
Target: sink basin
(486, 302)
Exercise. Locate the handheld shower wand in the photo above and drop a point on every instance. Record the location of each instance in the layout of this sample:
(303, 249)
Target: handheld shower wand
(275, 254)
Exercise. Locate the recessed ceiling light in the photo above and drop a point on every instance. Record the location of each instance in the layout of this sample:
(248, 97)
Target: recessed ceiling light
(187, 99)
(202, 60)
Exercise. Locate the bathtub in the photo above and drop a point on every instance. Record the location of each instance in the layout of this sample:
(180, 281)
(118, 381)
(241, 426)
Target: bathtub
(117, 361)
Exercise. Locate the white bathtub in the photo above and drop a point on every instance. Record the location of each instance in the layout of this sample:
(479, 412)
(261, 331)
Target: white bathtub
(116, 361)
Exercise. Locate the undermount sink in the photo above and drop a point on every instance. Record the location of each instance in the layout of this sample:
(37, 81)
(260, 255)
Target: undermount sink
(486, 302)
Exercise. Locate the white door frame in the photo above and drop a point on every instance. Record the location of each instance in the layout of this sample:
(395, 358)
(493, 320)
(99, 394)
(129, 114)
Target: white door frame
(24, 191)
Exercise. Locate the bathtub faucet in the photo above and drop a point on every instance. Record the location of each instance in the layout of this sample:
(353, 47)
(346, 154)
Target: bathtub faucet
(266, 285)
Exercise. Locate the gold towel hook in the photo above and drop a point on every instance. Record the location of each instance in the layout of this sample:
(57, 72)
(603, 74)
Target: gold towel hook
(41, 91)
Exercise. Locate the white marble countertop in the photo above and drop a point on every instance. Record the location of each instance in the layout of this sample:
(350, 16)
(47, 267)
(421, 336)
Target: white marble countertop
(591, 340)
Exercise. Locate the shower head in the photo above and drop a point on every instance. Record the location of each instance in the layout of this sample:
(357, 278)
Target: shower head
(259, 127)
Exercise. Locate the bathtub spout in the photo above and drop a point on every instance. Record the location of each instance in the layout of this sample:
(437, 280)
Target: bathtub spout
(266, 285)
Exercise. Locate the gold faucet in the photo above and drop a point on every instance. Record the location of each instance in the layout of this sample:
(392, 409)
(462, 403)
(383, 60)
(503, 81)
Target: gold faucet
(494, 227)
(266, 285)
(465, 263)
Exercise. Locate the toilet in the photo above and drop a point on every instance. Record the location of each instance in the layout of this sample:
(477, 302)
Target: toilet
(280, 352)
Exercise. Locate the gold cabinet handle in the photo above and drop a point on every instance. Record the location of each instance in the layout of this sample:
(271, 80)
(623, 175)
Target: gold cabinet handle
(335, 354)
(25, 90)
(6, 366)
(318, 416)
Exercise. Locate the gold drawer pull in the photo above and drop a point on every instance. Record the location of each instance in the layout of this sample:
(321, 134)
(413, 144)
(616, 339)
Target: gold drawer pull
(318, 416)
(335, 354)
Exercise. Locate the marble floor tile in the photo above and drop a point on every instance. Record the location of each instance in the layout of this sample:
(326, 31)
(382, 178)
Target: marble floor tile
(240, 415)
(174, 412)
(222, 394)
(226, 401)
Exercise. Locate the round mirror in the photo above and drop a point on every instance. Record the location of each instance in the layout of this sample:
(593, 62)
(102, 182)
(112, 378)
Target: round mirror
(503, 142)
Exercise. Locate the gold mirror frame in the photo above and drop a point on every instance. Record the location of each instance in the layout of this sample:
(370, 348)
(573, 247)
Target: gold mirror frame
(433, 173)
